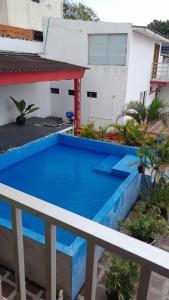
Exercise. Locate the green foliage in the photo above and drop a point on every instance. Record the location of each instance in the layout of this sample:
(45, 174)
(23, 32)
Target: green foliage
(158, 198)
(131, 134)
(153, 110)
(78, 11)
(89, 131)
(135, 110)
(22, 108)
(147, 224)
(158, 158)
(142, 114)
(121, 278)
(102, 132)
(159, 26)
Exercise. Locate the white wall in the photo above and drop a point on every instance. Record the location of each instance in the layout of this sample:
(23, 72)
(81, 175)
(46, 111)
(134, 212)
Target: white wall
(28, 14)
(3, 12)
(18, 13)
(52, 8)
(140, 66)
(16, 45)
(37, 93)
(68, 41)
(164, 93)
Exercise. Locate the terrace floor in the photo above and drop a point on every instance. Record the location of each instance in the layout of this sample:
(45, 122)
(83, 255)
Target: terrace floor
(158, 290)
(13, 135)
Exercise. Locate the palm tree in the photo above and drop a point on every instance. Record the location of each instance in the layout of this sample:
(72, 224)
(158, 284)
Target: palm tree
(156, 158)
(143, 115)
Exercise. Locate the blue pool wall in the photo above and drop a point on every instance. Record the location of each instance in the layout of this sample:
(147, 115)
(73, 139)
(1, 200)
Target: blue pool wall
(116, 208)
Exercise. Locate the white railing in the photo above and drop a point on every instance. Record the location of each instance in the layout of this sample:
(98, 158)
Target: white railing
(148, 257)
(160, 71)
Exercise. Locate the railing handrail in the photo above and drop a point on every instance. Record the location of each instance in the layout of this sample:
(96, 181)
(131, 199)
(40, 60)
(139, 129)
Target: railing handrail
(155, 259)
(163, 63)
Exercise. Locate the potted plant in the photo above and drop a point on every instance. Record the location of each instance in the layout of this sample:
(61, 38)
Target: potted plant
(23, 110)
(121, 279)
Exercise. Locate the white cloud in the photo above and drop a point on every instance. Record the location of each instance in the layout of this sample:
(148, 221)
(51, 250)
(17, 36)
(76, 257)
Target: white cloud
(133, 11)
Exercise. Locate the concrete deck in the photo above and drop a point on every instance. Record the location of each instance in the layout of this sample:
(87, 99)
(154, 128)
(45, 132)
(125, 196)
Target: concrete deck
(13, 135)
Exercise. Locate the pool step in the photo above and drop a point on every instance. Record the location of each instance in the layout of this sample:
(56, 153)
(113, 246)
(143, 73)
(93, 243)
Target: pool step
(106, 164)
(129, 163)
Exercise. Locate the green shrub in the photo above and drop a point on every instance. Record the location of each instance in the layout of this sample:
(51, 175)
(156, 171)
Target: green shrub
(121, 279)
(147, 224)
(131, 134)
(158, 198)
(89, 131)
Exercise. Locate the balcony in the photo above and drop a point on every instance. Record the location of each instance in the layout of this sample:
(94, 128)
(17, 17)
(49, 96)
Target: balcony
(150, 258)
(160, 73)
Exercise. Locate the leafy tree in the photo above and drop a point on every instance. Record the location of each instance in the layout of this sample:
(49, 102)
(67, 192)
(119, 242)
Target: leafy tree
(159, 26)
(78, 11)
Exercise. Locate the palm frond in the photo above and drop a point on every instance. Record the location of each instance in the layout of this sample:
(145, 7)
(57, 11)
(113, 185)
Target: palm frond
(153, 110)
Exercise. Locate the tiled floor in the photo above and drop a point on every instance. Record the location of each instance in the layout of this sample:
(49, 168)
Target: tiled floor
(158, 290)
(8, 287)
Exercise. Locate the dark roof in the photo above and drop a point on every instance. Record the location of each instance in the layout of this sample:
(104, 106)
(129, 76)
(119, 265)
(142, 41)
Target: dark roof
(17, 62)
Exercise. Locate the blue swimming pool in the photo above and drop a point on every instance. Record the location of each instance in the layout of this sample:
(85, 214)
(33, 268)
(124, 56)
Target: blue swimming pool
(90, 178)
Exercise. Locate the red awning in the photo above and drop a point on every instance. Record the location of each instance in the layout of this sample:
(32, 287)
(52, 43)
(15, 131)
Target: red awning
(26, 68)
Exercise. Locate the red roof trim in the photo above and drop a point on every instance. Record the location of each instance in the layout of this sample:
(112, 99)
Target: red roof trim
(32, 77)
(159, 82)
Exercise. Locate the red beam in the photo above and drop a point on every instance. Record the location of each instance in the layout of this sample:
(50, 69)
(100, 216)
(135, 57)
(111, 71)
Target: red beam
(159, 82)
(77, 104)
(32, 77)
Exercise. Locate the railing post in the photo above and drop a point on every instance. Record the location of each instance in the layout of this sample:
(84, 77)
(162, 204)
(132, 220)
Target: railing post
(18, 253)
(144, 281)
(50, 249)
(0, 288)
(91, 271)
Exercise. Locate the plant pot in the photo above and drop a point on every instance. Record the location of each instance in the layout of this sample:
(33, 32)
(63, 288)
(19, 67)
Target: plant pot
(112, 297)
(140, 169)
(20, 120)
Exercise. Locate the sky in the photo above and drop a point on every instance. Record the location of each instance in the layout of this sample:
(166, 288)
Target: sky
(138, 12)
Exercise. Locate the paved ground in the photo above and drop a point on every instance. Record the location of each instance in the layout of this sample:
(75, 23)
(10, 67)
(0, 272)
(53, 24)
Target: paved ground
(13, 135)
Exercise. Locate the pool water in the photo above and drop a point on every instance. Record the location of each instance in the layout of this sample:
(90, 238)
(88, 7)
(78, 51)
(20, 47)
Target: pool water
(64, 176)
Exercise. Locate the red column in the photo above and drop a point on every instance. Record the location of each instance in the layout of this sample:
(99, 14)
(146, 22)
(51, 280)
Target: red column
(77, 89)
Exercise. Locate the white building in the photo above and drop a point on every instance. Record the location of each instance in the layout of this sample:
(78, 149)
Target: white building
(29, 13)
(120, 58)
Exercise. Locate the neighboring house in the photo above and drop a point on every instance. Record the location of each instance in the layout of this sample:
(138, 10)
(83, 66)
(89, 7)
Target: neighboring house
(160, 74)
(165, 50)
(28, 14)
(120, 58)
(21, 32)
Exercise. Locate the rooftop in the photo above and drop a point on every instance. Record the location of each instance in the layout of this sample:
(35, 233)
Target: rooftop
(151, 34)
(19, 63)
(13, 136)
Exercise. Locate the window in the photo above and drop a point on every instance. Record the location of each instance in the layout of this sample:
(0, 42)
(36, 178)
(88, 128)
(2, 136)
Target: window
(91, 94)
(71, 92)
(38, 36)
(37, 1)
(54, 91)
(107, 49)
